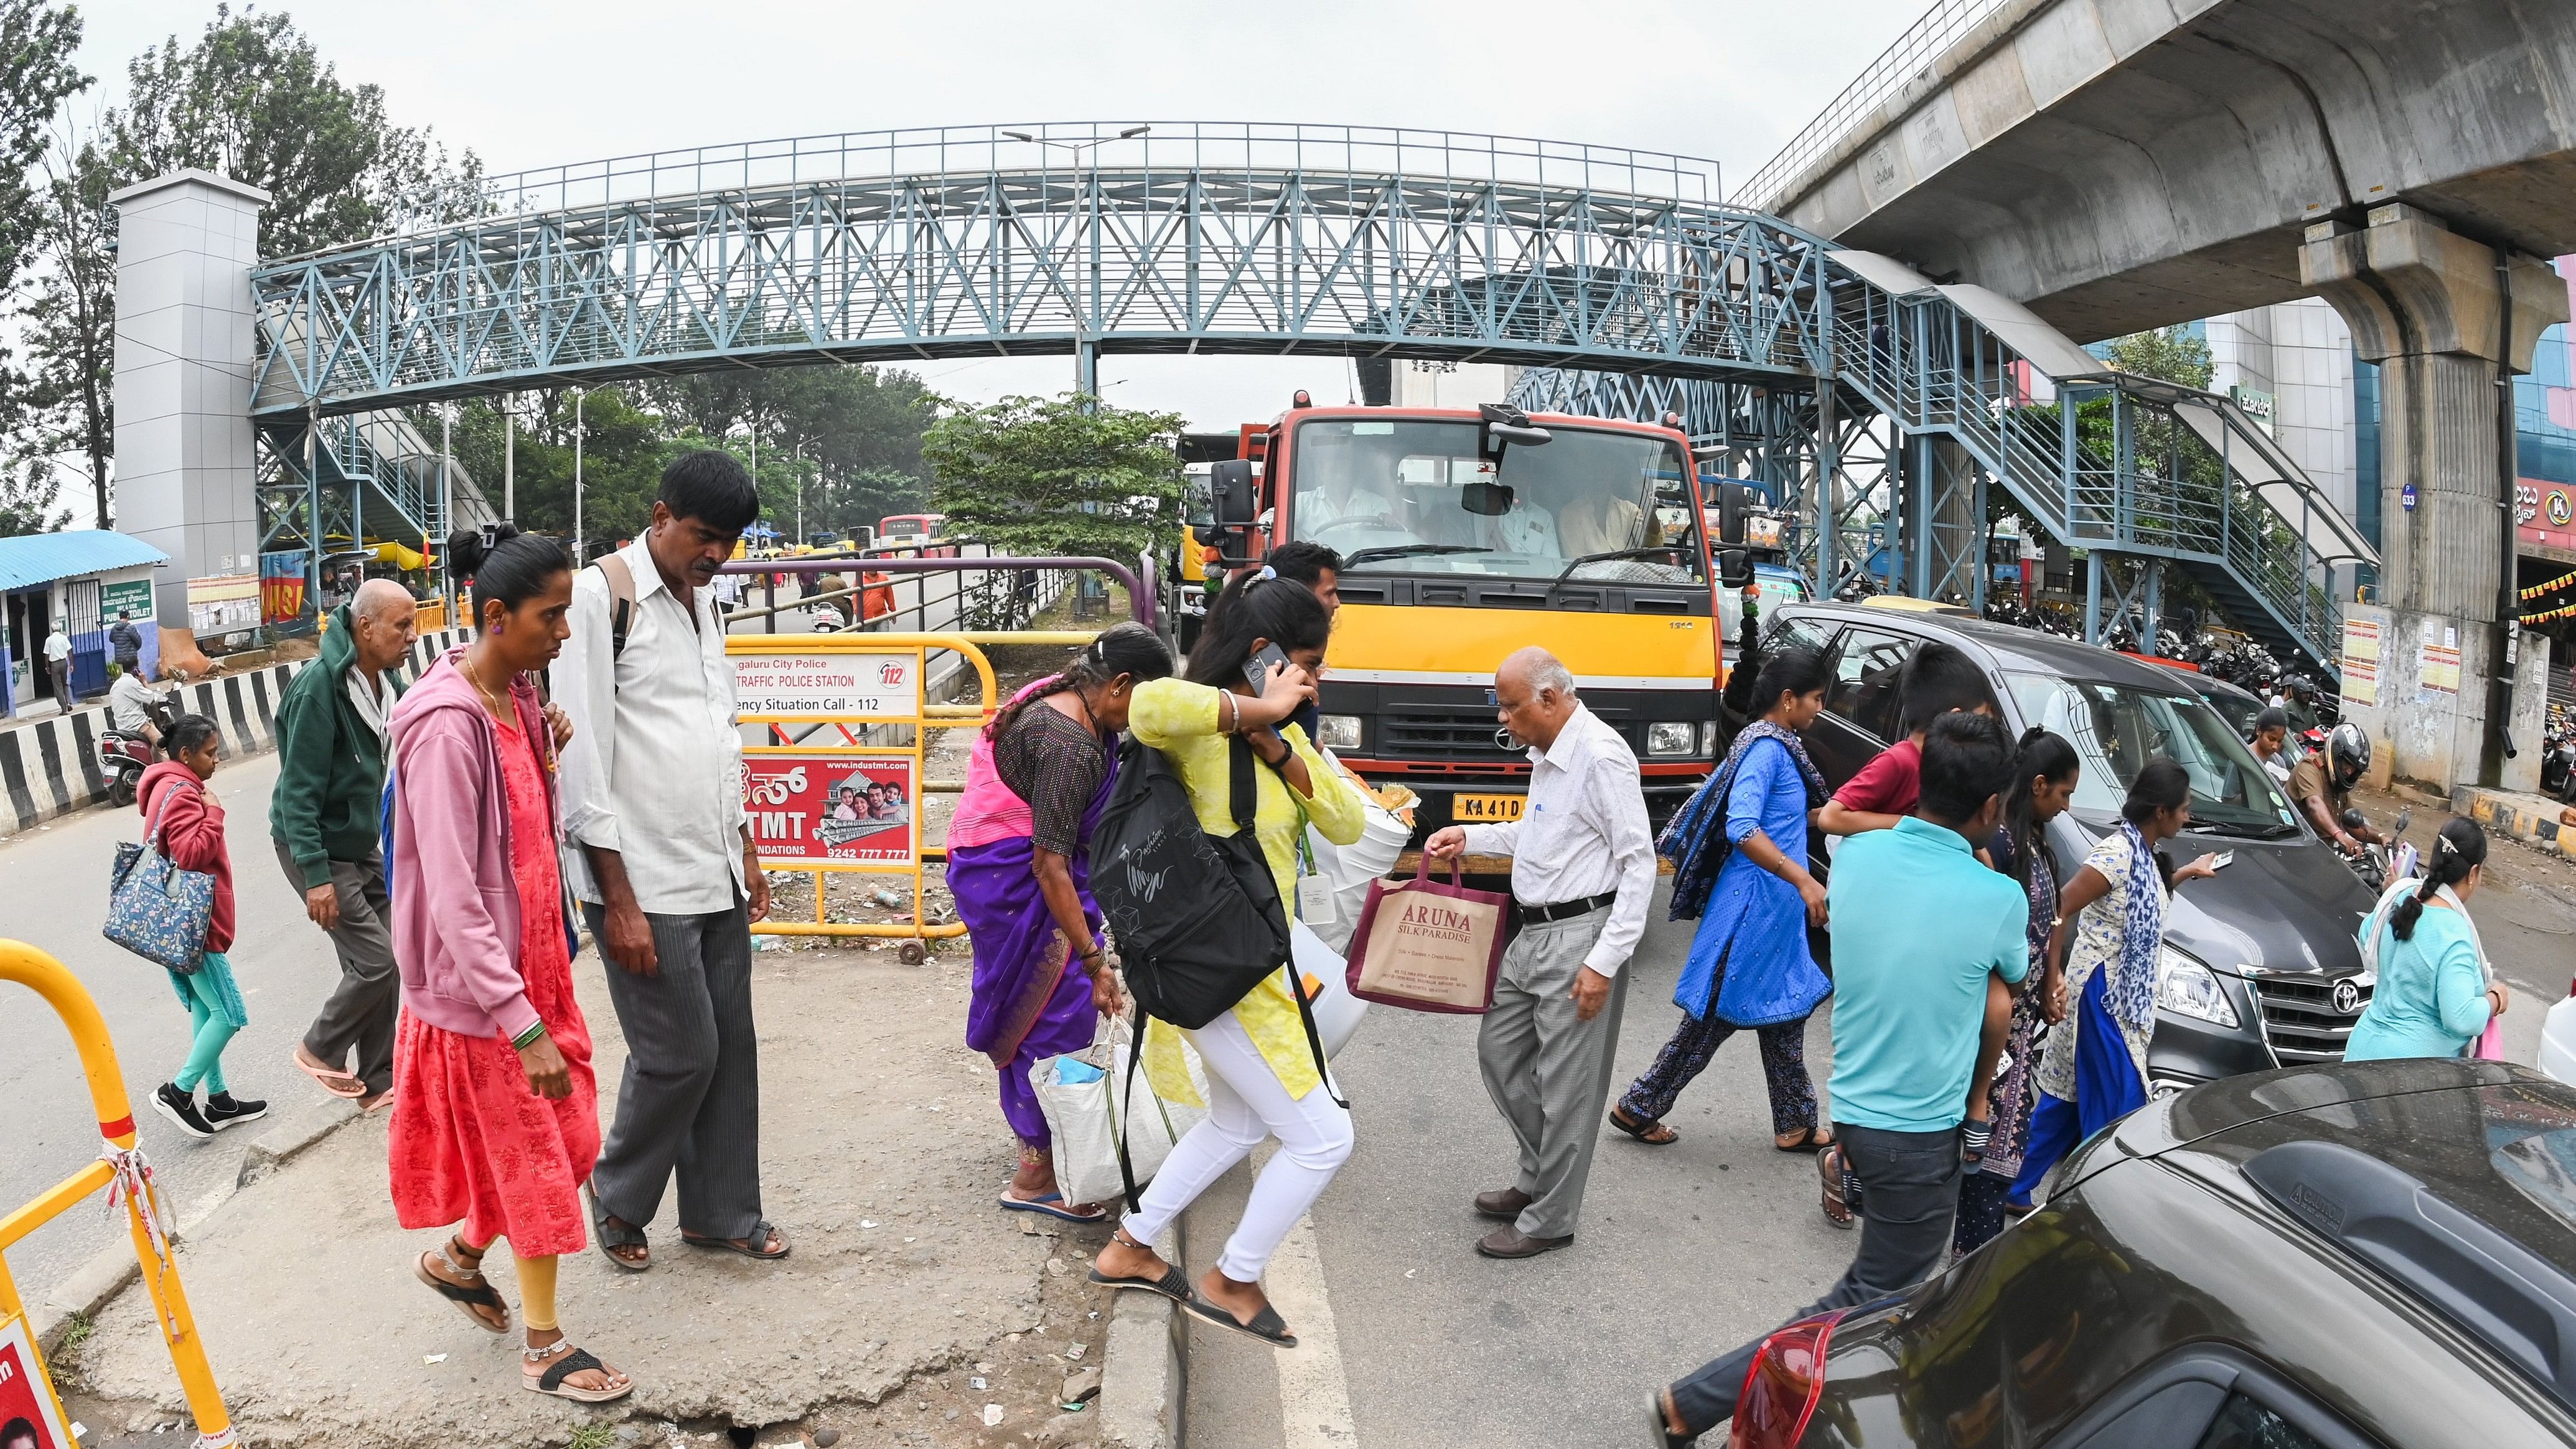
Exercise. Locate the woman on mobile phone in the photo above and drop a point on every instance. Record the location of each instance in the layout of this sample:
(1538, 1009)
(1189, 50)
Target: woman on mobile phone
(2102, 953)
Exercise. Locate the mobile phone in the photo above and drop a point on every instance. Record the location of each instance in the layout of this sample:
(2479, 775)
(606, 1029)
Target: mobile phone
(1256, 670)
(2225, 859)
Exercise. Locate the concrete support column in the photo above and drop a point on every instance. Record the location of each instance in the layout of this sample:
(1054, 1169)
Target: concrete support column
(185, 465)
(2431, 307)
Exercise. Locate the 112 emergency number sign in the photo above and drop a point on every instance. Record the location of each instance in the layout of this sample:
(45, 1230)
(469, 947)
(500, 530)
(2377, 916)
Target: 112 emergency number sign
(787, 685)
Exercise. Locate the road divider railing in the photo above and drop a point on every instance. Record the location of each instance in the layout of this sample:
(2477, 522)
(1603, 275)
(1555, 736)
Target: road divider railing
(121, 1173)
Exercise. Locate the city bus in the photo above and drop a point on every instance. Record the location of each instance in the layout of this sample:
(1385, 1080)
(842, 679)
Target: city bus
(1466, 534)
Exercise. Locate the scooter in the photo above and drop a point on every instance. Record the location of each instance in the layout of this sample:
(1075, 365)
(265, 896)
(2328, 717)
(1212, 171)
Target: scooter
(2377, 864)
(123, 757)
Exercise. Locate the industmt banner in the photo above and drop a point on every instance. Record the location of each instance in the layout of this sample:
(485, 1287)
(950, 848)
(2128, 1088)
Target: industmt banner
(281, 586)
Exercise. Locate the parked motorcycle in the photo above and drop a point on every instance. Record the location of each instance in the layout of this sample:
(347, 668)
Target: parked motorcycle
(2557, 755)
(2377, 864)
(123, 757)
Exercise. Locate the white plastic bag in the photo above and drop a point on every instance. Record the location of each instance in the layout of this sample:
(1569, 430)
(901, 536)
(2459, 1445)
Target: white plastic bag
(1084, 1116)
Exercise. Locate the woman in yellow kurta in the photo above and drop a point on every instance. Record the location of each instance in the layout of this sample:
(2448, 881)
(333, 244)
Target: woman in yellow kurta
(1263, 1079)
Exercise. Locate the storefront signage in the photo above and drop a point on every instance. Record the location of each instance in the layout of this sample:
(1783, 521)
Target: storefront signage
(2544, 514)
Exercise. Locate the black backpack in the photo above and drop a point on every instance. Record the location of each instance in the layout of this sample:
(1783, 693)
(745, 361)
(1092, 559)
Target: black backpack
(1198, 920)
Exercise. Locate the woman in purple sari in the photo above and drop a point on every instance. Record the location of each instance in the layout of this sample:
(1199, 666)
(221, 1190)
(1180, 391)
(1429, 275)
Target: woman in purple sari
(1019, 868)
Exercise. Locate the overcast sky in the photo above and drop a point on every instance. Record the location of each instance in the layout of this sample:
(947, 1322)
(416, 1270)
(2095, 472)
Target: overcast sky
(540, 82)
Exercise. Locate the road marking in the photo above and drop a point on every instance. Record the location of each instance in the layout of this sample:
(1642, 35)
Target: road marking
(1314, 1398)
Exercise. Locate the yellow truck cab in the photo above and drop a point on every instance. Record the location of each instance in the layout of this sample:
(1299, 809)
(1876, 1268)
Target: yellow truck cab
(1466, 534)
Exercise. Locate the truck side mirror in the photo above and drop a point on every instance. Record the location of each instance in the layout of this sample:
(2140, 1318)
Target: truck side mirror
(1731, 500)
(1233, 493)
(1734, 568)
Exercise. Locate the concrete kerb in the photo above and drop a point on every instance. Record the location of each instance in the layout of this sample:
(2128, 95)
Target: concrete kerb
(2531, 819)
(1144, 1369)
(114, 1268)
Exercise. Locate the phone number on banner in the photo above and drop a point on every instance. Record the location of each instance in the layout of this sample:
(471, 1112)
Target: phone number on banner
(834, 684)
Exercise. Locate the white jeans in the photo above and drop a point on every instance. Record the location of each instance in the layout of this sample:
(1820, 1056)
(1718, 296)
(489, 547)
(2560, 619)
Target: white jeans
(1245, 1104)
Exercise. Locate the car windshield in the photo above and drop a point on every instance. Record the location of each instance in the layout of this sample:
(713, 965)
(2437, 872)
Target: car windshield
(2116, 729)
(1418, 497)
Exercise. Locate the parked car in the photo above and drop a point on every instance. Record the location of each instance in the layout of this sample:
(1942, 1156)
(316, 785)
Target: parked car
(2373, 1256)
(2239, 707)
(2260, 968)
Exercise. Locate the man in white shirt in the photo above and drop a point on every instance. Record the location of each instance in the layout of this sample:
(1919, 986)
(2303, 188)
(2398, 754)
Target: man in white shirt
(663, 863)
(1583, 872)
(130, 703)
(58, 663)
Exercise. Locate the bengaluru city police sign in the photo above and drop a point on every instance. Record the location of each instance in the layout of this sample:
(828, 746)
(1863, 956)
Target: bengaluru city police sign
(836, 685)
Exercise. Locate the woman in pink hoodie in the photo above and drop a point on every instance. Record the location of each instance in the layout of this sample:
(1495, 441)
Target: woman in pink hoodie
(496, 1113)
(182, 814)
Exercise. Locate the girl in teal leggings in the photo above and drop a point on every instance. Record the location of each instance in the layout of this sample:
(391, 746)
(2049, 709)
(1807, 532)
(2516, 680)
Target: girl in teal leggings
(183, 815)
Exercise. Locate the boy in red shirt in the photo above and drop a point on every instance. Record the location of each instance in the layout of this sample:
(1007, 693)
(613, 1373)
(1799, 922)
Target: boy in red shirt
(1937, 679)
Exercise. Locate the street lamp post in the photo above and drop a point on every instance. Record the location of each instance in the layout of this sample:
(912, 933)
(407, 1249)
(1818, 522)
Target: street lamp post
(579, 552)
(1086, 351)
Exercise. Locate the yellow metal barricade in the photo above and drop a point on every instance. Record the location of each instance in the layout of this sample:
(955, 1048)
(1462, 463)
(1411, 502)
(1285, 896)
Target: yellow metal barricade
(120, 1169)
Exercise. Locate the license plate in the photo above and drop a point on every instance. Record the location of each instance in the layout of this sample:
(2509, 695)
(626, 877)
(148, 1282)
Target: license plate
(1482, 809)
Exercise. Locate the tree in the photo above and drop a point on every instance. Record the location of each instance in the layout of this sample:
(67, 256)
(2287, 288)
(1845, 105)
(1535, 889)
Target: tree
(36, 77)
(253, 100)
(1066, 475)
(851, 432)
(26, 493)
(71, 318)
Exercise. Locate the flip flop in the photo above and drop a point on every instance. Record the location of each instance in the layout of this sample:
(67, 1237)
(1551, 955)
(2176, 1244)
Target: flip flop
(1173, 1284)
(1644, 1131)
(1051, 1205)
(552, 1380)
(1809, 1143)
(1266, 1325)
(465, 1299)
(338, 1084)
(609, 1236)
(760, 1233)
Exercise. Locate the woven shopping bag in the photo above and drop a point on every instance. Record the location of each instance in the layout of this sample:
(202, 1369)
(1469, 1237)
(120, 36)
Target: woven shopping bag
(1428, 946)
(156, 910)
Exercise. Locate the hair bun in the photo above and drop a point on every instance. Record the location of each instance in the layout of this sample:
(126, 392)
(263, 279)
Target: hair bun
(465, 551)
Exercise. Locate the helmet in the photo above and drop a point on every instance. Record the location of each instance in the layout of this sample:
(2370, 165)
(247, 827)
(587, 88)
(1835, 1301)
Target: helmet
(2348, 754)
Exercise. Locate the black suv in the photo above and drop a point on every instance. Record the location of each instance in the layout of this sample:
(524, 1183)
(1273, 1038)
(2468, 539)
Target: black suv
(2373, 1256)
(2260, 967)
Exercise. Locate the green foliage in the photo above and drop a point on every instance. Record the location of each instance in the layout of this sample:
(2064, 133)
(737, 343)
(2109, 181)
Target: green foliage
(26, 496)
(253, 100)
(37, 39)
(593, 1436)
(1065, 475)
(69, 316)
(2168, 354)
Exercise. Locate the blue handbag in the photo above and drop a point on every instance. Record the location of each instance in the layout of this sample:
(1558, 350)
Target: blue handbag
(156, 910)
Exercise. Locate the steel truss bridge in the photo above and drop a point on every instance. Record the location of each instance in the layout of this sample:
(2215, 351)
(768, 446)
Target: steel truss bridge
(1880, 408)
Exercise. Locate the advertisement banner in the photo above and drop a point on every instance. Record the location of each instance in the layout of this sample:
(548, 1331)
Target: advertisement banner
(30, 1416)
(281, 586)
(827, 684)
(223, 604)
(832, 809)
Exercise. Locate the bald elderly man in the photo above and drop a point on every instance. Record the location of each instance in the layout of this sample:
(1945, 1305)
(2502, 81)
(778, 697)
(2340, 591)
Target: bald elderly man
(331, 753)
(1583, 871)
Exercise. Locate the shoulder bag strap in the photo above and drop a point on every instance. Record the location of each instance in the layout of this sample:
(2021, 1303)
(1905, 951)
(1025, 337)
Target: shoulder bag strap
(1123, 1097)
(621, 599)
(1244, 801)
(1314, 1040)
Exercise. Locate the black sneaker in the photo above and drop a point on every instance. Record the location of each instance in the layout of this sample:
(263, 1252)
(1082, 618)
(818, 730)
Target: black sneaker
(181, 1108)
(223, 1109)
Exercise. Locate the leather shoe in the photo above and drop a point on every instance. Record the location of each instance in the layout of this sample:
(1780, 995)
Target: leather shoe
(1510, 1242)
(1503, 1202)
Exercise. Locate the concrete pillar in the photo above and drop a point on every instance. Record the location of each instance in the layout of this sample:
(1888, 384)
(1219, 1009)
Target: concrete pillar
(2428, 305)
(185, 466)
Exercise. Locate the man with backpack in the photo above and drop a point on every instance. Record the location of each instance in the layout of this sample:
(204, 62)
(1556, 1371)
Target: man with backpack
(652, 793)
(1583, 872)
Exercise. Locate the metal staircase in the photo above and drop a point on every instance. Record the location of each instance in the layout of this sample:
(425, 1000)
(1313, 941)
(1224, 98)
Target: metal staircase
(378, 482)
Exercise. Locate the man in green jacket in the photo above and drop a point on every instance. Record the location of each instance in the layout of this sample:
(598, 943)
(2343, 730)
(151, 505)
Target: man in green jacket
(331, 753)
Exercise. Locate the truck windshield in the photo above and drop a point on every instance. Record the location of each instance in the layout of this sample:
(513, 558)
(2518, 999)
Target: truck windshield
(2116, 729)
(1393, 496)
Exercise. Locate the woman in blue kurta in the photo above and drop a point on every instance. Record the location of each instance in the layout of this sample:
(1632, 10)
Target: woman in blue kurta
(2433, 997)
(1740, 848)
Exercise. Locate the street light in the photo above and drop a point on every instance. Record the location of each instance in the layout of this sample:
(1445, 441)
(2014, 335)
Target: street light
(1078, 147)
(578, 554)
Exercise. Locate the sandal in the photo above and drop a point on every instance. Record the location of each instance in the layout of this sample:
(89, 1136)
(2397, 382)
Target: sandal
(1829, 1165)
(1173, 1284)
(552, 1380)
(1816, 1140)
(466, 1299)
(1051, 1205)
(337, 1083)
(1266, 1325)
(1653, 1134)
(612, 1235)
(761, 1232)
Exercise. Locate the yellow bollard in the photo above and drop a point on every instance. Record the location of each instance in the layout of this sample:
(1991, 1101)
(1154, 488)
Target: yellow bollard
(119, 1168)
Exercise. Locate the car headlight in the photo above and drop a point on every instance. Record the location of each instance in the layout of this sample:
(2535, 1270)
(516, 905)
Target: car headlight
(1337, 731)
(1708, 737)
(2187, 988)
(1669, 737)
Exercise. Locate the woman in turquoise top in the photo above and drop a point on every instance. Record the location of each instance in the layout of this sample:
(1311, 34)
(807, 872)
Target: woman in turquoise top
(2433, 998)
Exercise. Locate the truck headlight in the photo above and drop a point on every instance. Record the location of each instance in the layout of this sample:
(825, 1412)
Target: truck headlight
(1708, 737)
(1669, 737)
(1337, 731)
(2187, 988)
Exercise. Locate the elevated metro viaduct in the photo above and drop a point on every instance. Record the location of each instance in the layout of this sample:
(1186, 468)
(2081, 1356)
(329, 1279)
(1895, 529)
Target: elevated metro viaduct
(2115, 165)
(1840, 379)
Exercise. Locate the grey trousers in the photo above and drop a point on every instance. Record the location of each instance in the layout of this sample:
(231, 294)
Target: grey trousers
(1548, 1073)
(359, 1014)
(689, 1102)
(61, 670)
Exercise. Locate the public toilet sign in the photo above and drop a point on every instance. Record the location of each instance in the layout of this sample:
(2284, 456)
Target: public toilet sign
(829, 686)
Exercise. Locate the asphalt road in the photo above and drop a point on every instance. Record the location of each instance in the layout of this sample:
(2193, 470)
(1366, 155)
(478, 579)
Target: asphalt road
(54, 898)
(1683, 1252)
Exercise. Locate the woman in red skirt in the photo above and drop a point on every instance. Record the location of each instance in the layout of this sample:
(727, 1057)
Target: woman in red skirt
(496, 1114)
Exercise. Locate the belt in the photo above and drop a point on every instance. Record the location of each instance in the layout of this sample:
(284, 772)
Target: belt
(1562, 910)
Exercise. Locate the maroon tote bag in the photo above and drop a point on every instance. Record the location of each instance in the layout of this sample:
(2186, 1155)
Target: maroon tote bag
(1428, 946)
